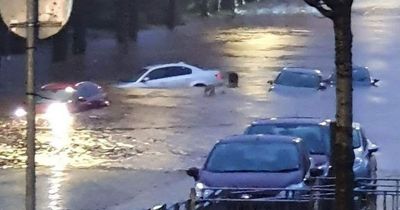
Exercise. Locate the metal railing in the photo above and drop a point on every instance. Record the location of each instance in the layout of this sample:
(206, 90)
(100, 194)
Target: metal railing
(369, 194)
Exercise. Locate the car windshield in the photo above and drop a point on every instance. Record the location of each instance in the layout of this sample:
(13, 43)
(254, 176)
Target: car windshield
(313, 136)
(253, 157)
(298, 79)
(46, 96)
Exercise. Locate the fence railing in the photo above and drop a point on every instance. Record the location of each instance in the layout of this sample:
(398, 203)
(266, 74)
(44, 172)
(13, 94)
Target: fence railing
(369, 194)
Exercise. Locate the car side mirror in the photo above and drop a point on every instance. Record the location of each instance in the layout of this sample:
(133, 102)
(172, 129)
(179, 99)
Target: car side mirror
(193, 172)
(372, 148)
(374, 81)
(271, 82)
(146, 79)
(322, 86)
(81, 99)
(316, 172)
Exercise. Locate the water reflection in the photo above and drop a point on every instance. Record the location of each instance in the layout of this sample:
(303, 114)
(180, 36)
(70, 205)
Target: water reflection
(260, 52)
(61, 126)
(56, 179)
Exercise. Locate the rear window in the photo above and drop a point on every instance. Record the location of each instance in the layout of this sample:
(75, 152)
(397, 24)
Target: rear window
(253, 157)
(315, 140)
(298, 79)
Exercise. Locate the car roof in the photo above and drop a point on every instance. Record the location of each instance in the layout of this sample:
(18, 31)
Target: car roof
(297, 120)
(302, 70)
(167, 65)
(57, 86)
(288, 120)
(263, 138)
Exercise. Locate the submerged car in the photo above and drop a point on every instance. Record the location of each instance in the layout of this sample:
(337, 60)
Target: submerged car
(75, 97)
(173, 75)
(254, 161)
(361, 77)
(316, 134)
(291, 78)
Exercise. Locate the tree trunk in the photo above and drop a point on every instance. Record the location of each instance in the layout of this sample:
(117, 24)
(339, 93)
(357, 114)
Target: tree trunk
(78, 22)
(204, 8)
(133, 19)
(171, 14)
(343, 151)
(60, 45)
(121, 21)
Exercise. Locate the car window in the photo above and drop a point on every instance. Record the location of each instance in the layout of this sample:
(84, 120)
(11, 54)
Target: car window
(312, 135)
(253, 157)
(178, 71)
(298, 79)
(158, 74)
(86, 89)
(361, 74)
(357, 139)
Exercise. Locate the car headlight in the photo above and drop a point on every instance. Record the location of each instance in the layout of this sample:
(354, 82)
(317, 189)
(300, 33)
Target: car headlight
(201, 190)
(357, 163)
(20, 112)
(292, 190)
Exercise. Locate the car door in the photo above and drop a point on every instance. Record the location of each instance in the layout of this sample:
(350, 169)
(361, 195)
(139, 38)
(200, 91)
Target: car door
(180, 76)
(156, 78)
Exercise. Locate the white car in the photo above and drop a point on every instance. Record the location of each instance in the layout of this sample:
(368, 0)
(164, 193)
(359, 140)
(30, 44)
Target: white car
(291, 78)
(173, 75)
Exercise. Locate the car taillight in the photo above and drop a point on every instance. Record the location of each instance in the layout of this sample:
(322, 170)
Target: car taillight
(219, 76)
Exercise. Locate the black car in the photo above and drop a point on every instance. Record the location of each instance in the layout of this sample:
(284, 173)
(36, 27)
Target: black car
(254, 161)
(317, 136)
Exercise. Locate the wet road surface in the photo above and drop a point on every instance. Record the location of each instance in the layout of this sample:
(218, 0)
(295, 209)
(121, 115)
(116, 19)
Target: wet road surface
(164, 130)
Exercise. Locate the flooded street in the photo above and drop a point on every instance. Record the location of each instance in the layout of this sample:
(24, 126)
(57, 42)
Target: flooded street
(131, 154)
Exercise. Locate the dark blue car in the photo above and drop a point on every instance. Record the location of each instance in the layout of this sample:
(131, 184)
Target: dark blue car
(254, 161)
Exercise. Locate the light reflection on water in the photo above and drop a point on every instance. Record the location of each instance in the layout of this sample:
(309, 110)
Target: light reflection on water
(260, 52)
(59, 160)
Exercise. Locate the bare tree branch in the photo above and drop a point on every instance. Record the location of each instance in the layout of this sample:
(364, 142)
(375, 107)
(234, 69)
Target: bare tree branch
(318, 4)
(333, 4)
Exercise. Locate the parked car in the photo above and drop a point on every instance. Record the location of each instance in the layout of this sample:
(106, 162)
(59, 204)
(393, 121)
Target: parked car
(361, 77)
(254, 161)
(77, 97)
(173, 75)
(291, 78)
(316, 134)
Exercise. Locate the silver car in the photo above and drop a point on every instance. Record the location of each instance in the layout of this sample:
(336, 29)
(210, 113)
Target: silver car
(296, 78)
(361, 77)
(317, 136)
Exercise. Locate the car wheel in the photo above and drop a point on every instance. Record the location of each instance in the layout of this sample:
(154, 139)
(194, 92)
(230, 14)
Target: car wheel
(199, 85)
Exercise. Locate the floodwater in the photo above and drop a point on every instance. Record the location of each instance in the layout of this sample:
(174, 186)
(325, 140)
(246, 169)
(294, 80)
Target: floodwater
(167, 130)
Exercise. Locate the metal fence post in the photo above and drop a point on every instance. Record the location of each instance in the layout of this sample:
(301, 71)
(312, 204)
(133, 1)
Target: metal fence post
(192, 201)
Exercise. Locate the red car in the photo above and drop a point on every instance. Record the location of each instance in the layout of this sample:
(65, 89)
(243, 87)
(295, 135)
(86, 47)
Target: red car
(78, 97)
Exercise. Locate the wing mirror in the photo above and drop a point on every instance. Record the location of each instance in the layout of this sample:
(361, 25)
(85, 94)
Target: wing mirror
(374, 81)
(146, 79)
(316, 172)
(271, 82)
(81, 99)
(193, 172)
(322, 86)
(372, 148)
